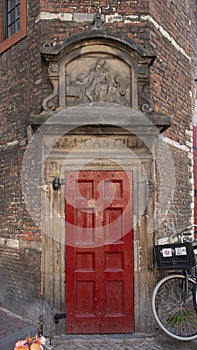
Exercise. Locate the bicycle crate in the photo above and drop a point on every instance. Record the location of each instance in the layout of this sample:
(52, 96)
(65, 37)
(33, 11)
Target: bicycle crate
(176, 255)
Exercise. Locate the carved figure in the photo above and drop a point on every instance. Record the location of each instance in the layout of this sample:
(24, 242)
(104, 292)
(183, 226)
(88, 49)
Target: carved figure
(98, 85)
(97, 82)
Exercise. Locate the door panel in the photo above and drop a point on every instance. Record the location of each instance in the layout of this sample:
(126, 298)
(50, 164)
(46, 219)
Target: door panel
(99, 252)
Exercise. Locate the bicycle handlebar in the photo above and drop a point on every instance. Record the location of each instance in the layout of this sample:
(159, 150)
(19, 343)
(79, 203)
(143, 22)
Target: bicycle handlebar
(183, 232)
(188, 228)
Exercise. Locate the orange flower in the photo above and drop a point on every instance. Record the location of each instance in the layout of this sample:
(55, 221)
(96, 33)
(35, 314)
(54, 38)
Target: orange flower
(29, 340)
(30, 343)
(35, 346)
(20, 345)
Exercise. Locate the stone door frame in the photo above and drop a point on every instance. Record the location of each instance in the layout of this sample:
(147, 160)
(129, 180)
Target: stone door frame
(103, 121)
(127, 115)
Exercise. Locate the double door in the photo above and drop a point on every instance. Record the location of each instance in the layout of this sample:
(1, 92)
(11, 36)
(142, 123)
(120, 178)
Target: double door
(99, 252)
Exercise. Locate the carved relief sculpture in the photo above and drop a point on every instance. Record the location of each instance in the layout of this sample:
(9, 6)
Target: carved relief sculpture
(98, 69)
(99, 84)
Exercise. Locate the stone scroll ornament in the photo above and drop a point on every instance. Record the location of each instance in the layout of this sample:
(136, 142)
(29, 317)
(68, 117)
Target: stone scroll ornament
(49, 103)
(145, 103)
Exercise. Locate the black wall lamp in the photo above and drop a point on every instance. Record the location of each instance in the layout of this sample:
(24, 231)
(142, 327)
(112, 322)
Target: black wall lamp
(57, 182)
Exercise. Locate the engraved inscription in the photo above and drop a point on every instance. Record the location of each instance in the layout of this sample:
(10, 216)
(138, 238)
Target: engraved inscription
(88, 142)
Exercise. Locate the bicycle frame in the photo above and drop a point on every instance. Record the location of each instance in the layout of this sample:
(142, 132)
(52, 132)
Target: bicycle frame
(189, 275)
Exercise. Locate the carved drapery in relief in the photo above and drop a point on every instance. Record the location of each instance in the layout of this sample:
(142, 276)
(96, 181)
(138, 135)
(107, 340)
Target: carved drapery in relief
(99, 80)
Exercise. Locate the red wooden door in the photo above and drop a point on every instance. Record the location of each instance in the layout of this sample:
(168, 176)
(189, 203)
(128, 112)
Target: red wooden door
(99, 252)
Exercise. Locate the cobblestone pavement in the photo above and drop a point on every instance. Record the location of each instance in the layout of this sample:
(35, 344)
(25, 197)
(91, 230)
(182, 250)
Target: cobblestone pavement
(9, 323)
(12, 326)
(118, 342)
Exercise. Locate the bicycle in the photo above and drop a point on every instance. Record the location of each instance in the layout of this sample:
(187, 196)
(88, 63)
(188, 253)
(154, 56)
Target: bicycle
(174, 299)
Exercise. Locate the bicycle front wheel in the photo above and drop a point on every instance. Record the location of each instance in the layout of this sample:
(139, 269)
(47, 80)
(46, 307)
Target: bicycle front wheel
(174, 310)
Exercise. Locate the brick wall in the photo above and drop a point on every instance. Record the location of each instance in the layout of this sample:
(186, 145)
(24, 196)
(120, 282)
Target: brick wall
(171, 82)
(163, 24)
(71, 17)
(171, 73)
(20, 71)
(195, 174)
(194, 76)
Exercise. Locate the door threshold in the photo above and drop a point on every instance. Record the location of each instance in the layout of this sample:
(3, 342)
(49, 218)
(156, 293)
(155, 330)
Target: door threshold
(102, 336)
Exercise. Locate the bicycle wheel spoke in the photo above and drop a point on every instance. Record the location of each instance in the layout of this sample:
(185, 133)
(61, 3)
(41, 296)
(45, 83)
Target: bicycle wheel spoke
(173, 307)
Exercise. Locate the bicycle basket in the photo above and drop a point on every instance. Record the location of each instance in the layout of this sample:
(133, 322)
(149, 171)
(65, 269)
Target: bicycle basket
(176, 255)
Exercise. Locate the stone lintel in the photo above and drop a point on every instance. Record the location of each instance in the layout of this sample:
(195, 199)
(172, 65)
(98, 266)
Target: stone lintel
(102, 115)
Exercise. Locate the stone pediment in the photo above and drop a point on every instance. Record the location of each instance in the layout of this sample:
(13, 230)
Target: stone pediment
(97, 67)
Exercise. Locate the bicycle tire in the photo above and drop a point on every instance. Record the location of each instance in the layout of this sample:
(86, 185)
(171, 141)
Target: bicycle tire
(175, 319)
(195, 297)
